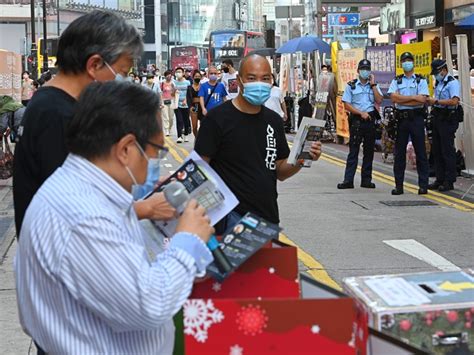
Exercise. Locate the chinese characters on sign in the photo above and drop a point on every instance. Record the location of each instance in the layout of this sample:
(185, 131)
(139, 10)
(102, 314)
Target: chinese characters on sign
(347, 61)
(383, 61)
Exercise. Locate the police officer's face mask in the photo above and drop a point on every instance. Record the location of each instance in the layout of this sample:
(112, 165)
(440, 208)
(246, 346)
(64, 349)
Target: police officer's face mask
(407, 66)
(364, 74)
(439, 77)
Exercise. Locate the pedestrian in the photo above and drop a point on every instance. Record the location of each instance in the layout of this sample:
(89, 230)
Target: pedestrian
(276, 101)
(188, 76)
(86, 280)
(445, 124)
(27, 88)
(211, 93)
(168, 90)
(98, 46)
(193, 97)
(360, 97)
(229, 78)
(409, 92)
(183, 124)
(245, 143)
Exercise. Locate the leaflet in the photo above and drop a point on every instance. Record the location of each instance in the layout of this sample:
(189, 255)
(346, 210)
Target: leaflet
(309, 131)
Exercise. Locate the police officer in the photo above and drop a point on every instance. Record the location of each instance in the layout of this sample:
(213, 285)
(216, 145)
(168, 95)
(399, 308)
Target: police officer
(409, 93)
(445, 123)
(359, 98)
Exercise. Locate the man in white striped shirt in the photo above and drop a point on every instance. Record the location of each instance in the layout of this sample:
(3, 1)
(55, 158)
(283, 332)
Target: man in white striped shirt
(85, 281)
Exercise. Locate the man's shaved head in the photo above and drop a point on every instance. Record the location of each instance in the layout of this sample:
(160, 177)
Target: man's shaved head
(252, 61)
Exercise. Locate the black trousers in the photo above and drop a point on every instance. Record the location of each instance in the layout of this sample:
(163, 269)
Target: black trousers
(411, 127)
(183, 124)
(361, 131)
(444, 152)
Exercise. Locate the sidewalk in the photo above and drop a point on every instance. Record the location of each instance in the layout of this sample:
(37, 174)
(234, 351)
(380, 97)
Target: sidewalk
(12, 338)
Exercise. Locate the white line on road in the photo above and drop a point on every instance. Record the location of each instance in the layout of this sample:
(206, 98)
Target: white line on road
(168, 165)
(423, 253)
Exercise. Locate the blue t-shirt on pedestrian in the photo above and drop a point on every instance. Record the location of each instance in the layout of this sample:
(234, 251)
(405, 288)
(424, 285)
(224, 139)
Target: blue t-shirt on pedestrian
(217, 96)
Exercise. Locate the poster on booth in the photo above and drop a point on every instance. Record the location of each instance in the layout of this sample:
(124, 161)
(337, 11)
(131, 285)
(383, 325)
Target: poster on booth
(239, 327)
(342, 121)
(347, 61)
(422, 53)
(10, 74)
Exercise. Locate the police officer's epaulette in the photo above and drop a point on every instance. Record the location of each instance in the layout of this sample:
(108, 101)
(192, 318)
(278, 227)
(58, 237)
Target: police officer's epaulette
(352, 84)
(399, 78)
(450, 78)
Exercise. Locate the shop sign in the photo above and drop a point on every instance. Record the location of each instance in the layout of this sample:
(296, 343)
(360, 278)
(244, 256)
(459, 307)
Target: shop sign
(392, 17)
(424, 21)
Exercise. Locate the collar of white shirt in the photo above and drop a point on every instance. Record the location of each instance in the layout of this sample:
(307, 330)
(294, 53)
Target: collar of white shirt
(102, 181)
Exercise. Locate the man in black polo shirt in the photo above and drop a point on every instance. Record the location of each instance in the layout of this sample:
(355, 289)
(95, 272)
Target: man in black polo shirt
(98, 46)
(245, 143)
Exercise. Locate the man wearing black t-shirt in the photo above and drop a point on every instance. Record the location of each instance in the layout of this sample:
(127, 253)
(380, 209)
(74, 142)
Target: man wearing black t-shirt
(98, 46)
(245, 143)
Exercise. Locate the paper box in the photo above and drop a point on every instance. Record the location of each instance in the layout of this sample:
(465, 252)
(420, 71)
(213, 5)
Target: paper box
(269, 273)
(239, 327)
(433, 311)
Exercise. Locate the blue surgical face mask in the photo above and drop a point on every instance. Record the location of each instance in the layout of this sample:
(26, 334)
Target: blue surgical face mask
(364, 74)
(407, 66)
(139, 191)
(257, 92)
(118, 77)
(439, 77)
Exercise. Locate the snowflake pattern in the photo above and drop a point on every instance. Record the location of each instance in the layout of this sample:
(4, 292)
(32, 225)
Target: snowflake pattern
(216, 287)
(252, 320)
(199, 315)
(236, 350)
(315, 329)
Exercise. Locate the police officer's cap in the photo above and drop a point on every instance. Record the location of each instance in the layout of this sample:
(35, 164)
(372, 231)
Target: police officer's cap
(406, 55)
(437, 65)
(364, 64)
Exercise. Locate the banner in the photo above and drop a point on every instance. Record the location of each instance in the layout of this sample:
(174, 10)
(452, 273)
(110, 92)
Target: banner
(334, 50)
(324, 87)
(347, 61)
(383, 61)
(284, 73)
(342, 121)
(422, 53)
(10, 74)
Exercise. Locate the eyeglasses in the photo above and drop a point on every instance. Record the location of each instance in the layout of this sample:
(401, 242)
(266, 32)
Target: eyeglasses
(162, 151)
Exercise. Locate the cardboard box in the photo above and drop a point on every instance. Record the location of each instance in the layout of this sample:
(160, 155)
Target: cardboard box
(433, 311)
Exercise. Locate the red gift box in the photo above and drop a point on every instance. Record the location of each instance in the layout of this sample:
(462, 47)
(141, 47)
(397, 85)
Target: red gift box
(269, 273)
(241, 327)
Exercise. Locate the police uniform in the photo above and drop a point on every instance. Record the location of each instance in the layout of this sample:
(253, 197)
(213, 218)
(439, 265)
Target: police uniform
(445, 123)
(410, 125)
(362, 98)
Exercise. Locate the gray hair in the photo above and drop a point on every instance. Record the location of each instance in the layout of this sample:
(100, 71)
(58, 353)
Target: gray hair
(98, 32)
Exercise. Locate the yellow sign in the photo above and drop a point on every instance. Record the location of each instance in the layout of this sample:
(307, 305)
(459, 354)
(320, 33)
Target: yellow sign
(422, 53)
(334, 50)
(342, 121)
(347, 61)
(456, 287)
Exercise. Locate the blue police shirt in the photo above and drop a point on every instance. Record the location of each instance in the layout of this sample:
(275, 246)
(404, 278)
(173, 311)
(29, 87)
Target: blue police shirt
(446, 90)
(362, 97)
(409, 87)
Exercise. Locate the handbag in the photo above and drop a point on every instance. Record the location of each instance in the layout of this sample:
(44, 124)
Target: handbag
(6, 158)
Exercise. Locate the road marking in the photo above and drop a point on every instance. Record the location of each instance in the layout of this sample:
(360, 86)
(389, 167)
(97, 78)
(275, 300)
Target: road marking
(447, 200)
(168, 165)
(316, 269)
(423, 253)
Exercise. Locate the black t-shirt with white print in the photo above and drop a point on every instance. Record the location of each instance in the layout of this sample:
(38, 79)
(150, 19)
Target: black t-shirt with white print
(244, 149)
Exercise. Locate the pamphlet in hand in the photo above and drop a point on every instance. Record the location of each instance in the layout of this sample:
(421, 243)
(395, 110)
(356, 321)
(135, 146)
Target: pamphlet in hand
(243, 240)
(204, 185)
(309, 131)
